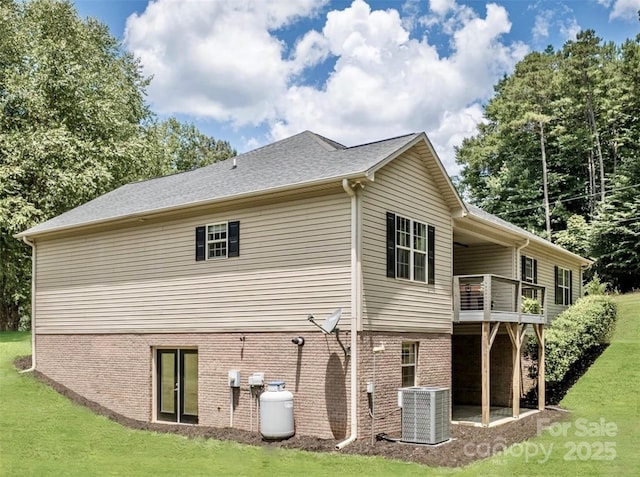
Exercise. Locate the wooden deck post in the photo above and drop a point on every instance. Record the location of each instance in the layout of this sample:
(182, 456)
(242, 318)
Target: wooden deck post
(539, 329)
(514, 334)
(485, 351)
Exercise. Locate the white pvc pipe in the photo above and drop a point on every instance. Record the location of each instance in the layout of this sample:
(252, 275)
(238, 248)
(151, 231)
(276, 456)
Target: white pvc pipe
(354, 312)
(33, 304)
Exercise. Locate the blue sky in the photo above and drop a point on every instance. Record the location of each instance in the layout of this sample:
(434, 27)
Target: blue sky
(355, 71)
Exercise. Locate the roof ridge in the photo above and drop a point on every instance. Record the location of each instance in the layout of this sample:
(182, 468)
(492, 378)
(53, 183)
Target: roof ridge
(383, 140)
(271, 144)
(334, 144)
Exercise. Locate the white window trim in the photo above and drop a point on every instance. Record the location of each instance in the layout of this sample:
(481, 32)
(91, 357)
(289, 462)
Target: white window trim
(529, 279)
(414, 365)
(412, 251)
(208, 242)
(564, 285)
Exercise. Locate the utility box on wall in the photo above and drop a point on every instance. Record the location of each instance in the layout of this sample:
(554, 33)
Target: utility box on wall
(234, 379)
(425, 414)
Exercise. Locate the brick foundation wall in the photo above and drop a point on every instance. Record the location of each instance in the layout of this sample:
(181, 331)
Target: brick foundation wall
(117, 371)
(433, 369)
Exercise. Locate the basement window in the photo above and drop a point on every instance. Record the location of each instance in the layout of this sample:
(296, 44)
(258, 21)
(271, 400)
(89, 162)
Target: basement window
(409, 363)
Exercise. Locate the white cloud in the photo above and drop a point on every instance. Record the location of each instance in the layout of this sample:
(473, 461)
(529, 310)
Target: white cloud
(540, 29)
(386, 84)
(625, 10)
(215, 59)
(312, 49)
(222, 60)
(442, 7)
(570, 28)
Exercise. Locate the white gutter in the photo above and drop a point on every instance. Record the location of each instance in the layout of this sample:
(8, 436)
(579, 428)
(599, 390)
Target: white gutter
(355, 256)
(151, 213)
(33, 304)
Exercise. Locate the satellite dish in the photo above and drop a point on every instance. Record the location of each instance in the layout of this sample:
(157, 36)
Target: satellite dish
(330, 325)
(332, 321)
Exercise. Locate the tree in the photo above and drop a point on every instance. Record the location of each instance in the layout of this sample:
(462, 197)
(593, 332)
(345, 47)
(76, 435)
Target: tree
(507, 167)
(583, 74)
(576, 237)
(582, 107)
(615, 236)
(531, 98)
(180, 147)
(71, 120)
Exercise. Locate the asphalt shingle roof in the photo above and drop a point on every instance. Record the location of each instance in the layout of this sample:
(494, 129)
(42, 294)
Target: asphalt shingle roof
(300, 159)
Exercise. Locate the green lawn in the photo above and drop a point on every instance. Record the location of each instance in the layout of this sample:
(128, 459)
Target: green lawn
(42, 433)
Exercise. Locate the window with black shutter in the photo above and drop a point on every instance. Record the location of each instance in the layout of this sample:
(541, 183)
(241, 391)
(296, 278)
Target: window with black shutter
(431, 253)
(563, 286)
(201, 241)
(529, 274)
(234, 239)
(219, 240)
(529, 269)
(410, 249)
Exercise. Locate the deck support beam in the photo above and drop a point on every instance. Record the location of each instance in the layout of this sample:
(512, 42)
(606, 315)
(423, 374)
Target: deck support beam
(487, 337)
(517, 334)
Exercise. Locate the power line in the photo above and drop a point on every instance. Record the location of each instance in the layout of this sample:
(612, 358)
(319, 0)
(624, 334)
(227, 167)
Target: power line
(555, 201)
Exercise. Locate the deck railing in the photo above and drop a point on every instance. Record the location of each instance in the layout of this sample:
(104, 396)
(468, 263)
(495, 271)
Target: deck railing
(494, 298)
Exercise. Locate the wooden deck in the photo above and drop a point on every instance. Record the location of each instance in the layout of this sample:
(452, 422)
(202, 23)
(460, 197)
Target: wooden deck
(492, 298)
(495, 302)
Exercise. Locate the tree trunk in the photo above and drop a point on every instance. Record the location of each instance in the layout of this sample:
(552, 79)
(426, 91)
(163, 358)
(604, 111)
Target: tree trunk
(9, 317)
(595, 135)
(547, 213)
(596, 138)
(592, 184)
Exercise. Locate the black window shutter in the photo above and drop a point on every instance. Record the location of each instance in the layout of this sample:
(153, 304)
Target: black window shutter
(535, 271)
(391, 244)
(558, 291)
(431, 254)
(201, 235)
(523, 268)
(570, 287)
(234, 239)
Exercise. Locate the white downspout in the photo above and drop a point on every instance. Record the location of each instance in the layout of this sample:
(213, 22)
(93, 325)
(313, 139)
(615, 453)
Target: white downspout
(354, 313)
(33, 304)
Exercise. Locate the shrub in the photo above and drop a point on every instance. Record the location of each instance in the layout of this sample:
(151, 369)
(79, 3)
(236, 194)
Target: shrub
(531, 306)
(595, 286)
(588, 323)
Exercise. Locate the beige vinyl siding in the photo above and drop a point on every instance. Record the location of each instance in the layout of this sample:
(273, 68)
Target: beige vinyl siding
(479, 259)
(404, 187)
(547, 260)
(294, 260)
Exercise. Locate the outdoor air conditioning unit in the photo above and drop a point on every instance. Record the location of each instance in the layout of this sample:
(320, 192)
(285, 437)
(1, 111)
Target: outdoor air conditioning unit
(425, 414)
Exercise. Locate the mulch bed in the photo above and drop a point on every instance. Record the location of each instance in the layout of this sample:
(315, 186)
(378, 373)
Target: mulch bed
(468, 443)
